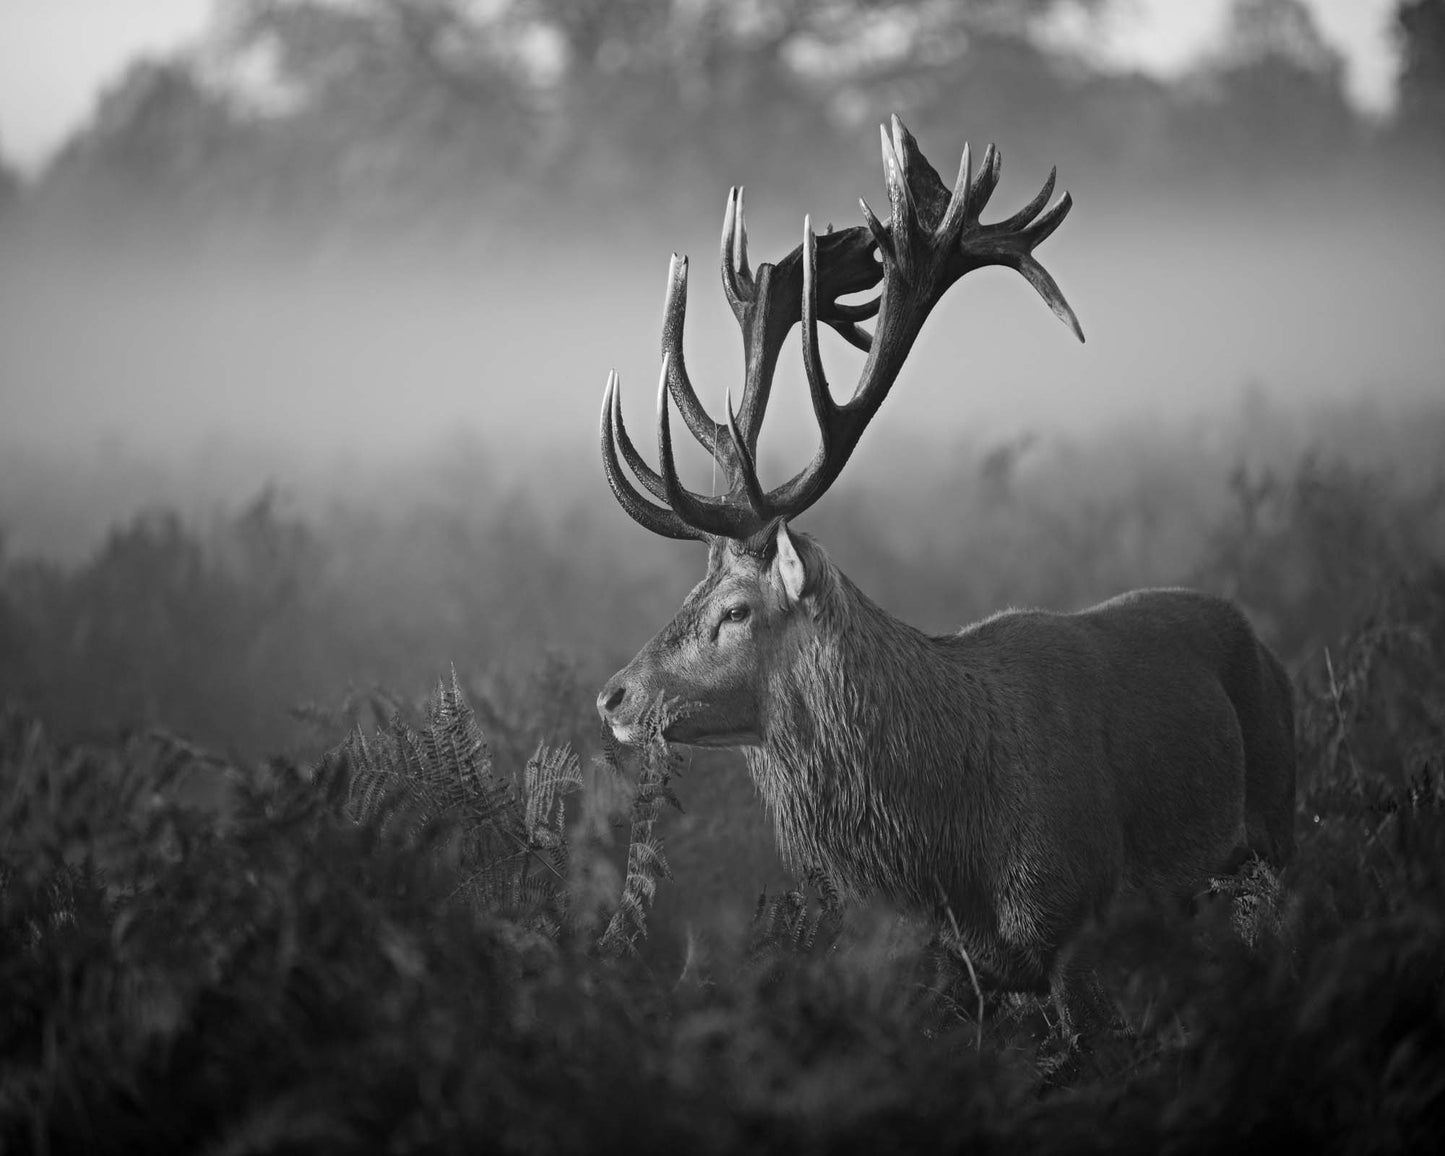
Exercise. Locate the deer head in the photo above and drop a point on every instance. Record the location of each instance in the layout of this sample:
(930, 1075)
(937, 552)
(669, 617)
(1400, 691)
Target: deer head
(719, 666)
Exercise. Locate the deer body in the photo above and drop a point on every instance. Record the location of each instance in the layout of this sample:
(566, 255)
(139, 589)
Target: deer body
(1014, 776)
(1027, 768)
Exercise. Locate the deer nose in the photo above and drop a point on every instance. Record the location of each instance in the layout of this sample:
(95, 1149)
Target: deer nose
(610, 698)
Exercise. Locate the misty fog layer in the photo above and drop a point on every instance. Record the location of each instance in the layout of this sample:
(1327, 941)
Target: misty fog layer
(409, 261)
(234, 371)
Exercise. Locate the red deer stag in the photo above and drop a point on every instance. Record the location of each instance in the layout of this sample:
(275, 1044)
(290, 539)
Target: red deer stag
(1017, 774)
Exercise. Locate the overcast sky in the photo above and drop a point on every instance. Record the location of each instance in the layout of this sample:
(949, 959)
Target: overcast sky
(56, 54)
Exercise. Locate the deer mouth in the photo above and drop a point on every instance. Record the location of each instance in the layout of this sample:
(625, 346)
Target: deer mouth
(681, 733)
(629, 734)
(734, 740)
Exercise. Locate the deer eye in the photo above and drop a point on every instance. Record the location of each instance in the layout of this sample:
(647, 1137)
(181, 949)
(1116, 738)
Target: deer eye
(737, 614)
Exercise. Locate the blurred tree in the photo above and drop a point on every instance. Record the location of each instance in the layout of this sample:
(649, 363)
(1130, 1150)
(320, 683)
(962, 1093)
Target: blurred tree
(1278, 32)
(1278, 87)
(1420, 31)
(392, 107)
(443, 116)
(158, 148)
(603, 96)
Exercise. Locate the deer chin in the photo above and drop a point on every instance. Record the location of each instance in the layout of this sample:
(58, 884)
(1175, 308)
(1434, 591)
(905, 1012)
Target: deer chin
(636, 734)
(737, 740)
(629, 734)
(693, 732)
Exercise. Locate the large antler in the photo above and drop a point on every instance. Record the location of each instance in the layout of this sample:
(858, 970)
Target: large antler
(933, 237)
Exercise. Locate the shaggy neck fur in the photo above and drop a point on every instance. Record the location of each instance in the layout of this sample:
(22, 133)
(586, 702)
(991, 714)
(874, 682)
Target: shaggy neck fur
(871, 725)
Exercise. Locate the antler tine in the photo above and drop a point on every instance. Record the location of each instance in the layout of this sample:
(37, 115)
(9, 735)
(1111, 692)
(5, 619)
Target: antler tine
(729, 276)
(955, 216)
(1031, 210)
(740, 250)
(823, 406)
(658, 519)
(736, 278)
(707, 517)
(1047, 288)
(987, 181)
(848, 314)
(635, 461)
(881, 236)
(1050, 219)
(673, 320)
(667, 467)
(747, 469)
(900, 198)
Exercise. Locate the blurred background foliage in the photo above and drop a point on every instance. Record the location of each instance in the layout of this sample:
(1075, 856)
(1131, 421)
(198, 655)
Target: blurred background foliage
(459, 117)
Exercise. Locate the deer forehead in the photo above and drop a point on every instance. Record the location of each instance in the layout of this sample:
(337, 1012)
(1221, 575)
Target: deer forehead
(734, 570)
(724, 586)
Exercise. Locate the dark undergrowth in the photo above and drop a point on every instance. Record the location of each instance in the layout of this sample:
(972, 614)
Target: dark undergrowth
(430, 933)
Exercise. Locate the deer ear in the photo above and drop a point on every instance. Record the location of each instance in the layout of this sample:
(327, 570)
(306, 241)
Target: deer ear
(790, 565)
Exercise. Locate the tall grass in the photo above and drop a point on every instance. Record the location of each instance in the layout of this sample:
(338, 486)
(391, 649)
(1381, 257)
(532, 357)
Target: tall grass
(421, 930)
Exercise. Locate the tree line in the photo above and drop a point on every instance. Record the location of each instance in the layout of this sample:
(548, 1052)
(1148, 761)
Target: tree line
(432, 115)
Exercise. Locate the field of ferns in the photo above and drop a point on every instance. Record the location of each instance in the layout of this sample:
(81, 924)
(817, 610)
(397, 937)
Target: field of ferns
(309, 840)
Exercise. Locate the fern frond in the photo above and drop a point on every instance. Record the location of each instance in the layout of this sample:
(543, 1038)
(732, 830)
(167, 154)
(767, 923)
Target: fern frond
(645, 858)
(513, 843)
(550, 775)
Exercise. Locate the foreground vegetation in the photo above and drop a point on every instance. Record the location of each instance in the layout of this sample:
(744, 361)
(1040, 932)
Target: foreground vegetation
(427, 926)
